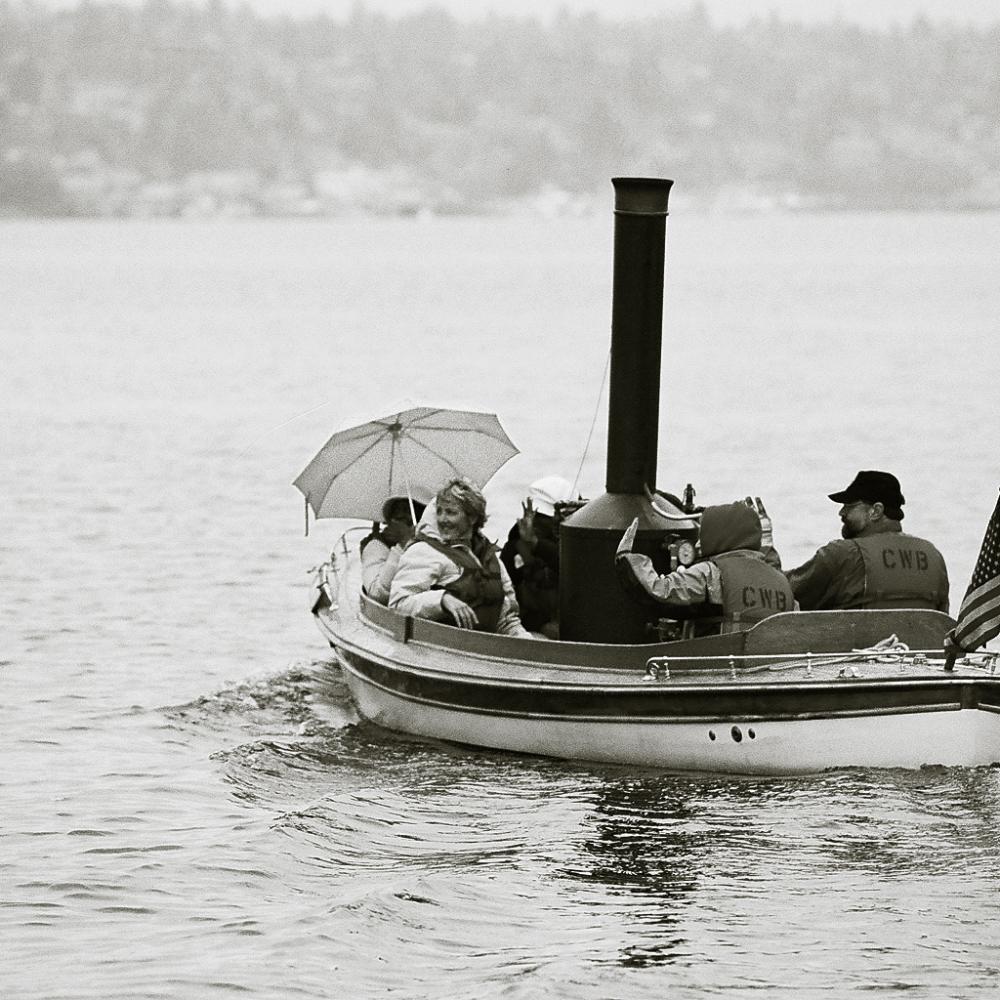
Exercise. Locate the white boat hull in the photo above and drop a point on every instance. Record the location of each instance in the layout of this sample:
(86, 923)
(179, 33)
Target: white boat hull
(956, 737)
(598, 703)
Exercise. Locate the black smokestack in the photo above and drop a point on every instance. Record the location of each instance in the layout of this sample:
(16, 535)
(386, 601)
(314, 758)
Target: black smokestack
(636, 332)
(592, 605)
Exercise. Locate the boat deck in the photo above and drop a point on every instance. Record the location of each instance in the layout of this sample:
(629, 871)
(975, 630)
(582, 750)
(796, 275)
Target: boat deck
(788, 649)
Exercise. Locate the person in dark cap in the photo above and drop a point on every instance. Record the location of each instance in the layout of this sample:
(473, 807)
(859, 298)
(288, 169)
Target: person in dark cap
(729, 589)
(380, 550)
(531, 554)
(875, 564)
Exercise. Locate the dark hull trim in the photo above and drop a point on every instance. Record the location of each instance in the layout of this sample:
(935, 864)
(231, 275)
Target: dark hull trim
(668, 703)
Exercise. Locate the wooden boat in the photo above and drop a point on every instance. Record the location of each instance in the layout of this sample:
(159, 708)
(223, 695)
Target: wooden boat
(790, 695)
(798, 692)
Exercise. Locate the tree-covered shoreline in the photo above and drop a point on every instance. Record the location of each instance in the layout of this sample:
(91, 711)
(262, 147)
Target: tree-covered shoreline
(171, 108)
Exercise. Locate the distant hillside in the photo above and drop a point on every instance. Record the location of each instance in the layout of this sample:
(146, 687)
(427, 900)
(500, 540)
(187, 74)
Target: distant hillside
(169, 108)
(881, 14)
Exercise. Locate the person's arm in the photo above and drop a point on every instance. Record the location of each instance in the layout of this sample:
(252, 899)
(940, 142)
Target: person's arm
(943, 604)
(687, 585)
(378, 589)
(373, 557)
(771, 557)
(532, 539)
(547, 551)
(510, 555)
(818, 583)
(421, 568)
(509, 622)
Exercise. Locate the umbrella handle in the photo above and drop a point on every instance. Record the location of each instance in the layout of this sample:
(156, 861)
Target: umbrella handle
(307, 517)
(406, 480)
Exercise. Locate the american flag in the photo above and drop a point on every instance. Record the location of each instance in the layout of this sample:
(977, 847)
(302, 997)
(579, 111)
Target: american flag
(979, 616)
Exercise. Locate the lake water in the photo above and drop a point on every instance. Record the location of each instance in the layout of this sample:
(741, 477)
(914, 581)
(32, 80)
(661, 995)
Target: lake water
(189, 806)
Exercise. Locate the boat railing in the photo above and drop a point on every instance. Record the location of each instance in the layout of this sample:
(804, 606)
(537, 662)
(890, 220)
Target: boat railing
(890, 651)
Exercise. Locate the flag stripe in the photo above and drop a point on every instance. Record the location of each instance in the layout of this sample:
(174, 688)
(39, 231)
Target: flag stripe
(977, 638)
(976, 625)
(979, 616)
(984, 604)
(978, 620)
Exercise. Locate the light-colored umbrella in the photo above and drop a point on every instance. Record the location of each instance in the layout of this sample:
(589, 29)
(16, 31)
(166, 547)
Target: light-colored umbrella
(412, 453)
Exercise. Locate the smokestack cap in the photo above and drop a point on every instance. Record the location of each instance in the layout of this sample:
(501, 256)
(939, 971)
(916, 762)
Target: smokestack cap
(641, 195)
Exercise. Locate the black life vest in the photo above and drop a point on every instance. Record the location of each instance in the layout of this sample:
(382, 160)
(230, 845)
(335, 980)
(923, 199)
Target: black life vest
(902, 571)
(480, 585)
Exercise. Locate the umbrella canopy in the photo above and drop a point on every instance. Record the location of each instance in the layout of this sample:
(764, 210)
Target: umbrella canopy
(411, 453)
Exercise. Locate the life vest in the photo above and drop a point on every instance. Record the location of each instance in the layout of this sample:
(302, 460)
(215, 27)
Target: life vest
(480, 584)
(902, 571)
(751, 590)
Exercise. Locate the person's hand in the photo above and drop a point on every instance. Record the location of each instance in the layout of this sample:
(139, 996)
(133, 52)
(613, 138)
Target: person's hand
(628, 539)
(952, 650)
(462, 614)
(766, 532)
(526, 524)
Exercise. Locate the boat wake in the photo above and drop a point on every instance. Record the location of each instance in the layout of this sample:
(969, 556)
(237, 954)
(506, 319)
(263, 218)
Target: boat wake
(305, 699)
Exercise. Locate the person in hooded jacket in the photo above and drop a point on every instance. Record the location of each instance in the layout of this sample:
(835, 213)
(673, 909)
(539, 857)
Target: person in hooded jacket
(729, 589)
(450, 571)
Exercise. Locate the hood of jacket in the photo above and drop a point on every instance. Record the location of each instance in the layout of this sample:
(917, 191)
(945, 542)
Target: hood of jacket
(727, 527)
(428, 523)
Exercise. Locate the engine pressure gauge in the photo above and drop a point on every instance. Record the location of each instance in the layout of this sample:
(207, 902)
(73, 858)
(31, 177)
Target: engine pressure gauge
(685, 553)
(682, 552)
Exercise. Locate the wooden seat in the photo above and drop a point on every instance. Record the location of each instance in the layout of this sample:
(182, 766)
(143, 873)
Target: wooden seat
(843, 631)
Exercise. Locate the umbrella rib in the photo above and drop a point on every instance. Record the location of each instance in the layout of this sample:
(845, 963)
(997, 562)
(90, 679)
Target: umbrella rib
(444, 458)
(470, 431)
(419, 421)
(429, 450)
(358, 457)
(455, 430)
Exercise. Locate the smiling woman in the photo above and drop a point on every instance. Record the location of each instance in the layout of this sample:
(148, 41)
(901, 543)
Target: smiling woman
(451, 572)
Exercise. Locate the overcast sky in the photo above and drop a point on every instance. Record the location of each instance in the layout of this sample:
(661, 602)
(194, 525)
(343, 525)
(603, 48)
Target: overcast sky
(874, 13)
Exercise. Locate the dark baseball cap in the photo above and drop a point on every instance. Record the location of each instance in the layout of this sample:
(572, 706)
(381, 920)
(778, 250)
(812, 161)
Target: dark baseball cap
(872, 486)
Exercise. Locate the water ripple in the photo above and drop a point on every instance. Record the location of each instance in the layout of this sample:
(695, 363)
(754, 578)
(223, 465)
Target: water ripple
(192, 807)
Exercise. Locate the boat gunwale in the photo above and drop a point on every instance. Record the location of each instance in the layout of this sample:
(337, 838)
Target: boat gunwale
(663, 719)
(714, 685)
(351, 610)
